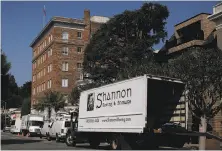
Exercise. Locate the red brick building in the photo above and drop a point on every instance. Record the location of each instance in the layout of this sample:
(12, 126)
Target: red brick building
(58, 53)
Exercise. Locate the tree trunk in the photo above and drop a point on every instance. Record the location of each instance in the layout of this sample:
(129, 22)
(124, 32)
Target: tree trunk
(202, 128)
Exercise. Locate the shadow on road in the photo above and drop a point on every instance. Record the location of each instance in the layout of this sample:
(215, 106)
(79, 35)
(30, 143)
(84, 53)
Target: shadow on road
(17, 141)
(88, 147)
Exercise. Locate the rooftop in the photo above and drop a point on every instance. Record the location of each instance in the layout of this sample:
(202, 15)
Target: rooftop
(97, 19)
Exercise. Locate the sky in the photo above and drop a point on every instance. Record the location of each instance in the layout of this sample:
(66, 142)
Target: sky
(22, 21)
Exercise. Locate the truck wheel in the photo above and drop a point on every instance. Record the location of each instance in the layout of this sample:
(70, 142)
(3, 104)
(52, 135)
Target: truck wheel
(69, 140)
(94, 143)
(40, 135)
(48, 137)
(57, 138)
(114, 144)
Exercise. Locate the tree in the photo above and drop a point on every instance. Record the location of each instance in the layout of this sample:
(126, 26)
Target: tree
(125, 42)
(50, 100)
(15, 101)
(25, 89)
(5, 67)
(201, 70)
(26, 107)
(74, 96)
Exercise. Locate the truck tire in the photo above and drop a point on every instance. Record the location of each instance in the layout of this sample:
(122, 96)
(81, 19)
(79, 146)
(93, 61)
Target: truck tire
(94, 143)
(69, 140)
(48, 137)
(115, 144)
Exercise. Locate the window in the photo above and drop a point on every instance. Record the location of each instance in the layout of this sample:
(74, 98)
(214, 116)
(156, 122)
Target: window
(49, 52)
(50, 68)
(64, 82)
(80, 76)
(34, 78)
(65, 66)
(79, 34)
(49, 84)
(65, 36)
(49, 39)
(43, 86)
(44, 71)
(33, 91)
(79, 65)
(79, 49)
(65, 50)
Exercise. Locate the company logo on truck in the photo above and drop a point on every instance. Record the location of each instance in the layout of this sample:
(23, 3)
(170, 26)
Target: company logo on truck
(109, 99)
(90, 102)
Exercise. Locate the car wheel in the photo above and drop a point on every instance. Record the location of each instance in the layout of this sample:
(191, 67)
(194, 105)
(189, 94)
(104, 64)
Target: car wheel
(69, 140)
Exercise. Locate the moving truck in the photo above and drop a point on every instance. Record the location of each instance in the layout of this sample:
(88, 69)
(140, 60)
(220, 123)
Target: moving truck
(15, 125)
(132, 113)
(32, 124)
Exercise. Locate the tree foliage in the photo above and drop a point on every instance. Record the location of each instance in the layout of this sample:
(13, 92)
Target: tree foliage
(125, 42)
(201, 70)
(50, 100)
(25, 90)
(26, 107)
(74, 96)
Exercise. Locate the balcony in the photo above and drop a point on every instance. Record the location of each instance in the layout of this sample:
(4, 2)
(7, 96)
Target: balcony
(185, 41)
(217, 8)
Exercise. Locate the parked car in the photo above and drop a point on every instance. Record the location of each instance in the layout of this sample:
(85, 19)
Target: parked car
(7, 128)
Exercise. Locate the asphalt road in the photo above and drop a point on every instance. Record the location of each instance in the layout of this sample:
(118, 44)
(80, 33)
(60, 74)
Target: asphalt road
(13, 142)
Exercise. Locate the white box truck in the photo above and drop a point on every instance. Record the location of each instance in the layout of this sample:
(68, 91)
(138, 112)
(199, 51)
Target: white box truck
(32, 124)
(132, 112)
(15, 125)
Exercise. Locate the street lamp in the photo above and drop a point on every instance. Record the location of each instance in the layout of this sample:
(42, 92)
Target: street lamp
(5, 111)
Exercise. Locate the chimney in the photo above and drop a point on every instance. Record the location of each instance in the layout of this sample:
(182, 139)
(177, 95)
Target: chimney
(87, 16)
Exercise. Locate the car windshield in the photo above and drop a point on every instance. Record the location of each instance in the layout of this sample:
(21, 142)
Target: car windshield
(36, 123)
(13, 122)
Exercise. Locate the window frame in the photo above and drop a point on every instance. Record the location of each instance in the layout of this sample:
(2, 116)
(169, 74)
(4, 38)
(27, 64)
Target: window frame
(65, 83)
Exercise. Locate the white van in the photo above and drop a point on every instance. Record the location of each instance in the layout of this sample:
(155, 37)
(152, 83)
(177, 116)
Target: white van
(45, 129)
(16, 125)
(59, 127)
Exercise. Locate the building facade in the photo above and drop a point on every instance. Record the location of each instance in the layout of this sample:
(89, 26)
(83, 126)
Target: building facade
(58, 53)
(217, 18)
(196, 31)
(202, 30)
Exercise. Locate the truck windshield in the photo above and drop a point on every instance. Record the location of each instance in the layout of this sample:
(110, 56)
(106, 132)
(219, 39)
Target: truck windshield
(67, 124)
(13, 122)
(35, 123)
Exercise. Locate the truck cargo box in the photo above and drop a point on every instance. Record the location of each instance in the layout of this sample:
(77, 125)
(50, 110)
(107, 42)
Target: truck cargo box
(132, 105)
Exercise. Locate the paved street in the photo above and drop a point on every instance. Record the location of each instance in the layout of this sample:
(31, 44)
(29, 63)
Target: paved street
(13, 142)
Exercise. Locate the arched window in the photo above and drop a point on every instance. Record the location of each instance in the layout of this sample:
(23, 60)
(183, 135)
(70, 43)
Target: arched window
(65, 35)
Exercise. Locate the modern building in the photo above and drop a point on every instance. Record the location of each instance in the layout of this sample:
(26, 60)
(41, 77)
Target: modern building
(202, 30)
(195, 31)
(217, 18)
(58, 52)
